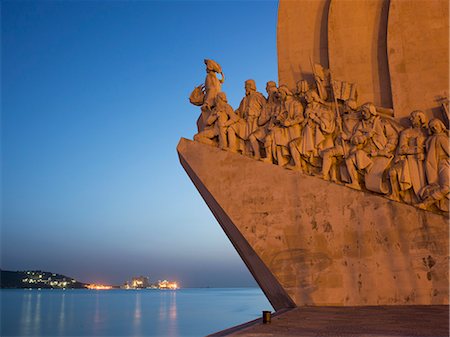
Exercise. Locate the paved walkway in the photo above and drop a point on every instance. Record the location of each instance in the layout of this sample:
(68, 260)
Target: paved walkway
(408, 321)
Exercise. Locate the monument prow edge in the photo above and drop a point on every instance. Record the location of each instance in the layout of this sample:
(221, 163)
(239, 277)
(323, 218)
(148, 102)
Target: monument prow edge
(275, 293)
(311, 242)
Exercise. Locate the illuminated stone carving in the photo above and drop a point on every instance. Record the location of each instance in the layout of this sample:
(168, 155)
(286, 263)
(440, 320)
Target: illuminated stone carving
(287, 126)
(248, 112)
(317, 132)
(351, 75)
(205, 94)
(436, 168)
(407, 175)
(332, 158)
(212, 83)
(220, 118)
(373, 142)
(266, 123)
(320, 130)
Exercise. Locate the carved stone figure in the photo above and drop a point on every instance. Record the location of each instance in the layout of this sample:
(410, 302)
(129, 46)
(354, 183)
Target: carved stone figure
(349, 119)
(407, 175)
(322, 79)
(338, 141)
(437, 166)
(266, 123)
(373, 142)
(220, 119)
(212, 84)
(317, 132)
(302, 87)
(248, 112)
(205, 95)
(287, 124)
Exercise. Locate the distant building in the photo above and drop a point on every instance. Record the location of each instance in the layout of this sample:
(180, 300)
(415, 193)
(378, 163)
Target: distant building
(138, 282)
(142, 282)
(167, 285)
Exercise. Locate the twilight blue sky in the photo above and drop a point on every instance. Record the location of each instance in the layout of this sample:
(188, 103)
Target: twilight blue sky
(94, 101)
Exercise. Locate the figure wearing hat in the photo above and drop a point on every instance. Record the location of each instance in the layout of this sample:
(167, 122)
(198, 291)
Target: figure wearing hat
(212, 84)
(205, 94)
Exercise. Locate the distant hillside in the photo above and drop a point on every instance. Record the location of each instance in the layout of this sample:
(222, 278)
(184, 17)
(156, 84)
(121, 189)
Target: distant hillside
(38, 279)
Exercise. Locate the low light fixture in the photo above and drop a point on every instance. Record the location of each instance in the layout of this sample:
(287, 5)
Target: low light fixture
(267, 317)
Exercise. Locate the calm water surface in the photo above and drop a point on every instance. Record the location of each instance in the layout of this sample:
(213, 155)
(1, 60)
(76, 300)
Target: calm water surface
(185, 312)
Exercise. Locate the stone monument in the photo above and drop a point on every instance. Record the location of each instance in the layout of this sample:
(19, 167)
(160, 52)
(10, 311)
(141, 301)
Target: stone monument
(334, 189)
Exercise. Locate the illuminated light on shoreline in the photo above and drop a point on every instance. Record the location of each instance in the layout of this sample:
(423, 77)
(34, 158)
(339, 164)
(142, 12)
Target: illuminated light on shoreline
(98, 287)
(168, 285)
(173, 286)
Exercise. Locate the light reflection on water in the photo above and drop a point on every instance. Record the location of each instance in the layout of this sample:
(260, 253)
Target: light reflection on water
(62, 314)
(173, 327)
(185, 312)
(25, 319)
(97, 319)
(37, 315)
(137, 316)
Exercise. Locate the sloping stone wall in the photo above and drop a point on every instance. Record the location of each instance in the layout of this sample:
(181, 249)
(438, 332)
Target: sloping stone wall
(312, 242)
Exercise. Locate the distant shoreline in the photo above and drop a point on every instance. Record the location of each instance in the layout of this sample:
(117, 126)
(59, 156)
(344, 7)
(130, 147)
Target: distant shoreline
(37, 279)
(115, 288)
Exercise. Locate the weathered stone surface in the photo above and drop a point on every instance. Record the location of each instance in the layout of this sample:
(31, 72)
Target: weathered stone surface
(418, 52)
(320, 243)
(301, 35)
(396, 51)
(277, 296)
(357, 47)
(400, 321)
